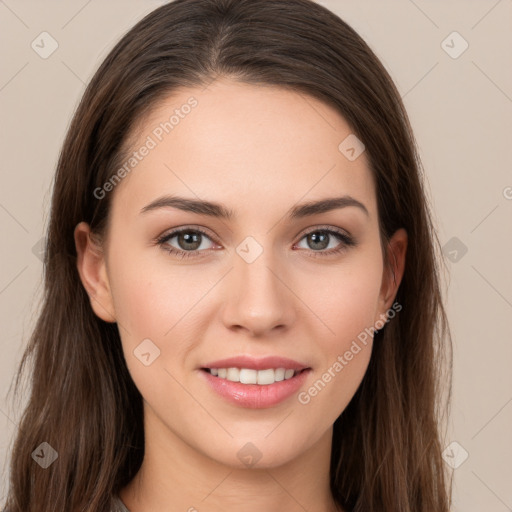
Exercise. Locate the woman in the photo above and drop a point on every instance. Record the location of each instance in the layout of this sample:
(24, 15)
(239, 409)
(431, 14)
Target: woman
(291, 357)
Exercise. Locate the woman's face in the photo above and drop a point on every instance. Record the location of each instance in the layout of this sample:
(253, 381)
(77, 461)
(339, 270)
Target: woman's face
(274, 279)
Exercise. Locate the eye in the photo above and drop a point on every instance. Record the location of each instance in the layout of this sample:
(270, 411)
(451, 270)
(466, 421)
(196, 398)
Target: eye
(189, 241)
(321, 239)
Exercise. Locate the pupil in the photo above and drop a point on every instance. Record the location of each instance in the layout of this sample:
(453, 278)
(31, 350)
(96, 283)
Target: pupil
(315, 237)
(189, 238)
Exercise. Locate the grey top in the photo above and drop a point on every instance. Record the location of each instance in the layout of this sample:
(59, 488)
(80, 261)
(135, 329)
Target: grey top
(119, 505)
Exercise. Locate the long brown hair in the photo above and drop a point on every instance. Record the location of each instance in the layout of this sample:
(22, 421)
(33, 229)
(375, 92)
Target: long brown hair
(387, 444)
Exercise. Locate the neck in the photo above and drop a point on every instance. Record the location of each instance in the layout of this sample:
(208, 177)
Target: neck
(176, 476)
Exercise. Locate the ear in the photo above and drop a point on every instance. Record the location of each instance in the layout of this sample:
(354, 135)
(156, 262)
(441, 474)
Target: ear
(393, 272)
(93, 273)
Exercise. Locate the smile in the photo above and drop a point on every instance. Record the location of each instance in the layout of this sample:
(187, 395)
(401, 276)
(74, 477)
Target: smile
(250, 376)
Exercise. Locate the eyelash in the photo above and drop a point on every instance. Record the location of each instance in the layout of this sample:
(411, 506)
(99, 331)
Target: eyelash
(346, 242)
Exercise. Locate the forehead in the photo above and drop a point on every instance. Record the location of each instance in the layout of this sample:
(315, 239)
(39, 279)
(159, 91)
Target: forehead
(234, 142)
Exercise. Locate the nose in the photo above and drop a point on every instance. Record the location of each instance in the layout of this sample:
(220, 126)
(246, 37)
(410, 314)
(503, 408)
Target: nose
(259, 299)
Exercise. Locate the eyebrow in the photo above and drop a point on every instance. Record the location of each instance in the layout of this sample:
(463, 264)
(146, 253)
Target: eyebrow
(218, 210)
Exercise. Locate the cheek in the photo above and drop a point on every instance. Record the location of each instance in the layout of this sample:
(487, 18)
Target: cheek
(346, 298)
(150, 294)
(150, 305)
(158, 300)
(144, 307)
(346, 301)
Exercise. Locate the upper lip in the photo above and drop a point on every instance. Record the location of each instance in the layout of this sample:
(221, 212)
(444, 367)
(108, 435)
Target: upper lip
(263, 363)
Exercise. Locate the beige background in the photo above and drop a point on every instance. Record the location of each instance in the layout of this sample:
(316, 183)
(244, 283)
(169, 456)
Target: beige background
(460, 109)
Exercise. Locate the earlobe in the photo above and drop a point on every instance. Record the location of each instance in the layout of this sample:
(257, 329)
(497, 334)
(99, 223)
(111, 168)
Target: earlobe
(93, 274)
(394, 271)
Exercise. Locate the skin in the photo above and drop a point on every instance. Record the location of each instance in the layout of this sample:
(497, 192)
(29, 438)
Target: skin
(258, 150)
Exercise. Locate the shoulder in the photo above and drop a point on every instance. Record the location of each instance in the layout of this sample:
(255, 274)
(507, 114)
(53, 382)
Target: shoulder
(118, 505)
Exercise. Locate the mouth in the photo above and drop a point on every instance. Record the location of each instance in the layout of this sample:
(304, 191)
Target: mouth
(250, 376)
(255, 389)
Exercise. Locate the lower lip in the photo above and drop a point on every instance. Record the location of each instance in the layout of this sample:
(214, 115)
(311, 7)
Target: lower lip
(256, 396)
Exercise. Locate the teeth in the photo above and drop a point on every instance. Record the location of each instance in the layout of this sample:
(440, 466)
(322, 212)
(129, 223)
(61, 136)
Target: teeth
(249, 376)
(279, 374)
